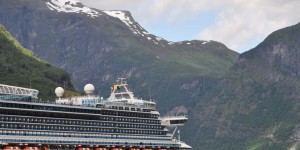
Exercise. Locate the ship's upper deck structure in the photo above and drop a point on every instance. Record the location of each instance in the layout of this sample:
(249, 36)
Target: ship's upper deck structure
(119, 122)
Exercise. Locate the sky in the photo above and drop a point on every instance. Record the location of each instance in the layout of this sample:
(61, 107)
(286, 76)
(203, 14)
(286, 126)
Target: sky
(239, 24)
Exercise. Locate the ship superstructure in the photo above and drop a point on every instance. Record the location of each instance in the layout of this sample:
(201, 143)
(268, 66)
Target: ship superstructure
(120, 122)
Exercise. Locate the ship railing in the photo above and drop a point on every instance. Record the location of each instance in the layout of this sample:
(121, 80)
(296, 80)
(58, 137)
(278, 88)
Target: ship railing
(78, 124)
(14, 90)
(128, 105)
(78, 135)
(83, 141)
(60, 104)
(62, 129)
(82, 96)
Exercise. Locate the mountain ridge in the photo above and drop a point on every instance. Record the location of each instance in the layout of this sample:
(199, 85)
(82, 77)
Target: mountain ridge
(76, 6)
(255, 105)
(99, 50)
(31, 35)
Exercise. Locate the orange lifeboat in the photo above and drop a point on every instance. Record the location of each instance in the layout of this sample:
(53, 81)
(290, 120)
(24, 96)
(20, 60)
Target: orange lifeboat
(114, 148)
(134, 149)
(99, 148)
(45, 148)
(11, 148)
(30, 148)
(82, 148)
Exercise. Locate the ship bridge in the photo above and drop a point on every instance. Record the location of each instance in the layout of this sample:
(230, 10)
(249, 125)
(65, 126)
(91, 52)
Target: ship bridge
(8, 92)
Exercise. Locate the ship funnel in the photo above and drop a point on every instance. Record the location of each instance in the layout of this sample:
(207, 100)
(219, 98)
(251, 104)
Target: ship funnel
(59, 91)
(89, 89)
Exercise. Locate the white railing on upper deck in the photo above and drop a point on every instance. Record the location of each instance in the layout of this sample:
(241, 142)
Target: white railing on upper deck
(112, 103)
(8, 89)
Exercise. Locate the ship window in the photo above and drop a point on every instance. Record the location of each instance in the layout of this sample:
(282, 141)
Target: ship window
(120, 108)
(177, 121)
(126, 108)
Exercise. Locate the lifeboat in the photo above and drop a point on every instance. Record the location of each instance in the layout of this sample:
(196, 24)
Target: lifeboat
(99, 148)
(45, 148)
(114, 148)
(11, 148)
(82, 148)
(30, 148)
(134, 149)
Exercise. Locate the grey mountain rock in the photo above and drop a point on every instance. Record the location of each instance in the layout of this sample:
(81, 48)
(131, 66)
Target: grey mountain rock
(97, 46)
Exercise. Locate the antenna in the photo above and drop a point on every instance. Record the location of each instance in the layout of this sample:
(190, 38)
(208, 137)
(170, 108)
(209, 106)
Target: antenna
(149, 93)
(178, 134)
(173, 134)
(65, 84)
(30, 81)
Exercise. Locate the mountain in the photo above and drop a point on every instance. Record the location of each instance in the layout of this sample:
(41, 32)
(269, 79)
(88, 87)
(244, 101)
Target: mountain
(256, 105)
(97, 46)
(20, 67)
(248, 103)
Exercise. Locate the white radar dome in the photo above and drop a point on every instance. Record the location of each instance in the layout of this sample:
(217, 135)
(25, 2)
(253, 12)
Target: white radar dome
(89, 89)
(59, 91)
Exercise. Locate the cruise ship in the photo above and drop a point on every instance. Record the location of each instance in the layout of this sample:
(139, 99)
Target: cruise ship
(120, 122)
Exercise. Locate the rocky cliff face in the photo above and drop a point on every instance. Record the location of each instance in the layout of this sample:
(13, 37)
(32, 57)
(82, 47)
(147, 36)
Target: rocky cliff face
(20, 67)
(256, 103)
(97, 46)
(280, 49)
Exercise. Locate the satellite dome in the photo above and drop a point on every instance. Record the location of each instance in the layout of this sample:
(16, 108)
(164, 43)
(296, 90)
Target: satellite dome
(89, 89)
(59, 91)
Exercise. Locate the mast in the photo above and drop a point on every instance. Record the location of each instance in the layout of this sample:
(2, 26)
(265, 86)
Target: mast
(120, 90)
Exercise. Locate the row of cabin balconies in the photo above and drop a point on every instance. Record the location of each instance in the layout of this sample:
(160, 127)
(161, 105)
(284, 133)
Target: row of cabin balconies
(55, 127)
(82, 110)
(78, 122)
(84, 141)
(81, 135)
(64, 115)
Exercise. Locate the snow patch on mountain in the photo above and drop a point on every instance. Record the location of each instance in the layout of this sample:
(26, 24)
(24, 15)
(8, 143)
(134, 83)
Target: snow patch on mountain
(192, 43)
(75, 6)
(171, 43)
(133, 26)
(158, 38)
(120, 15)
(71, 6)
